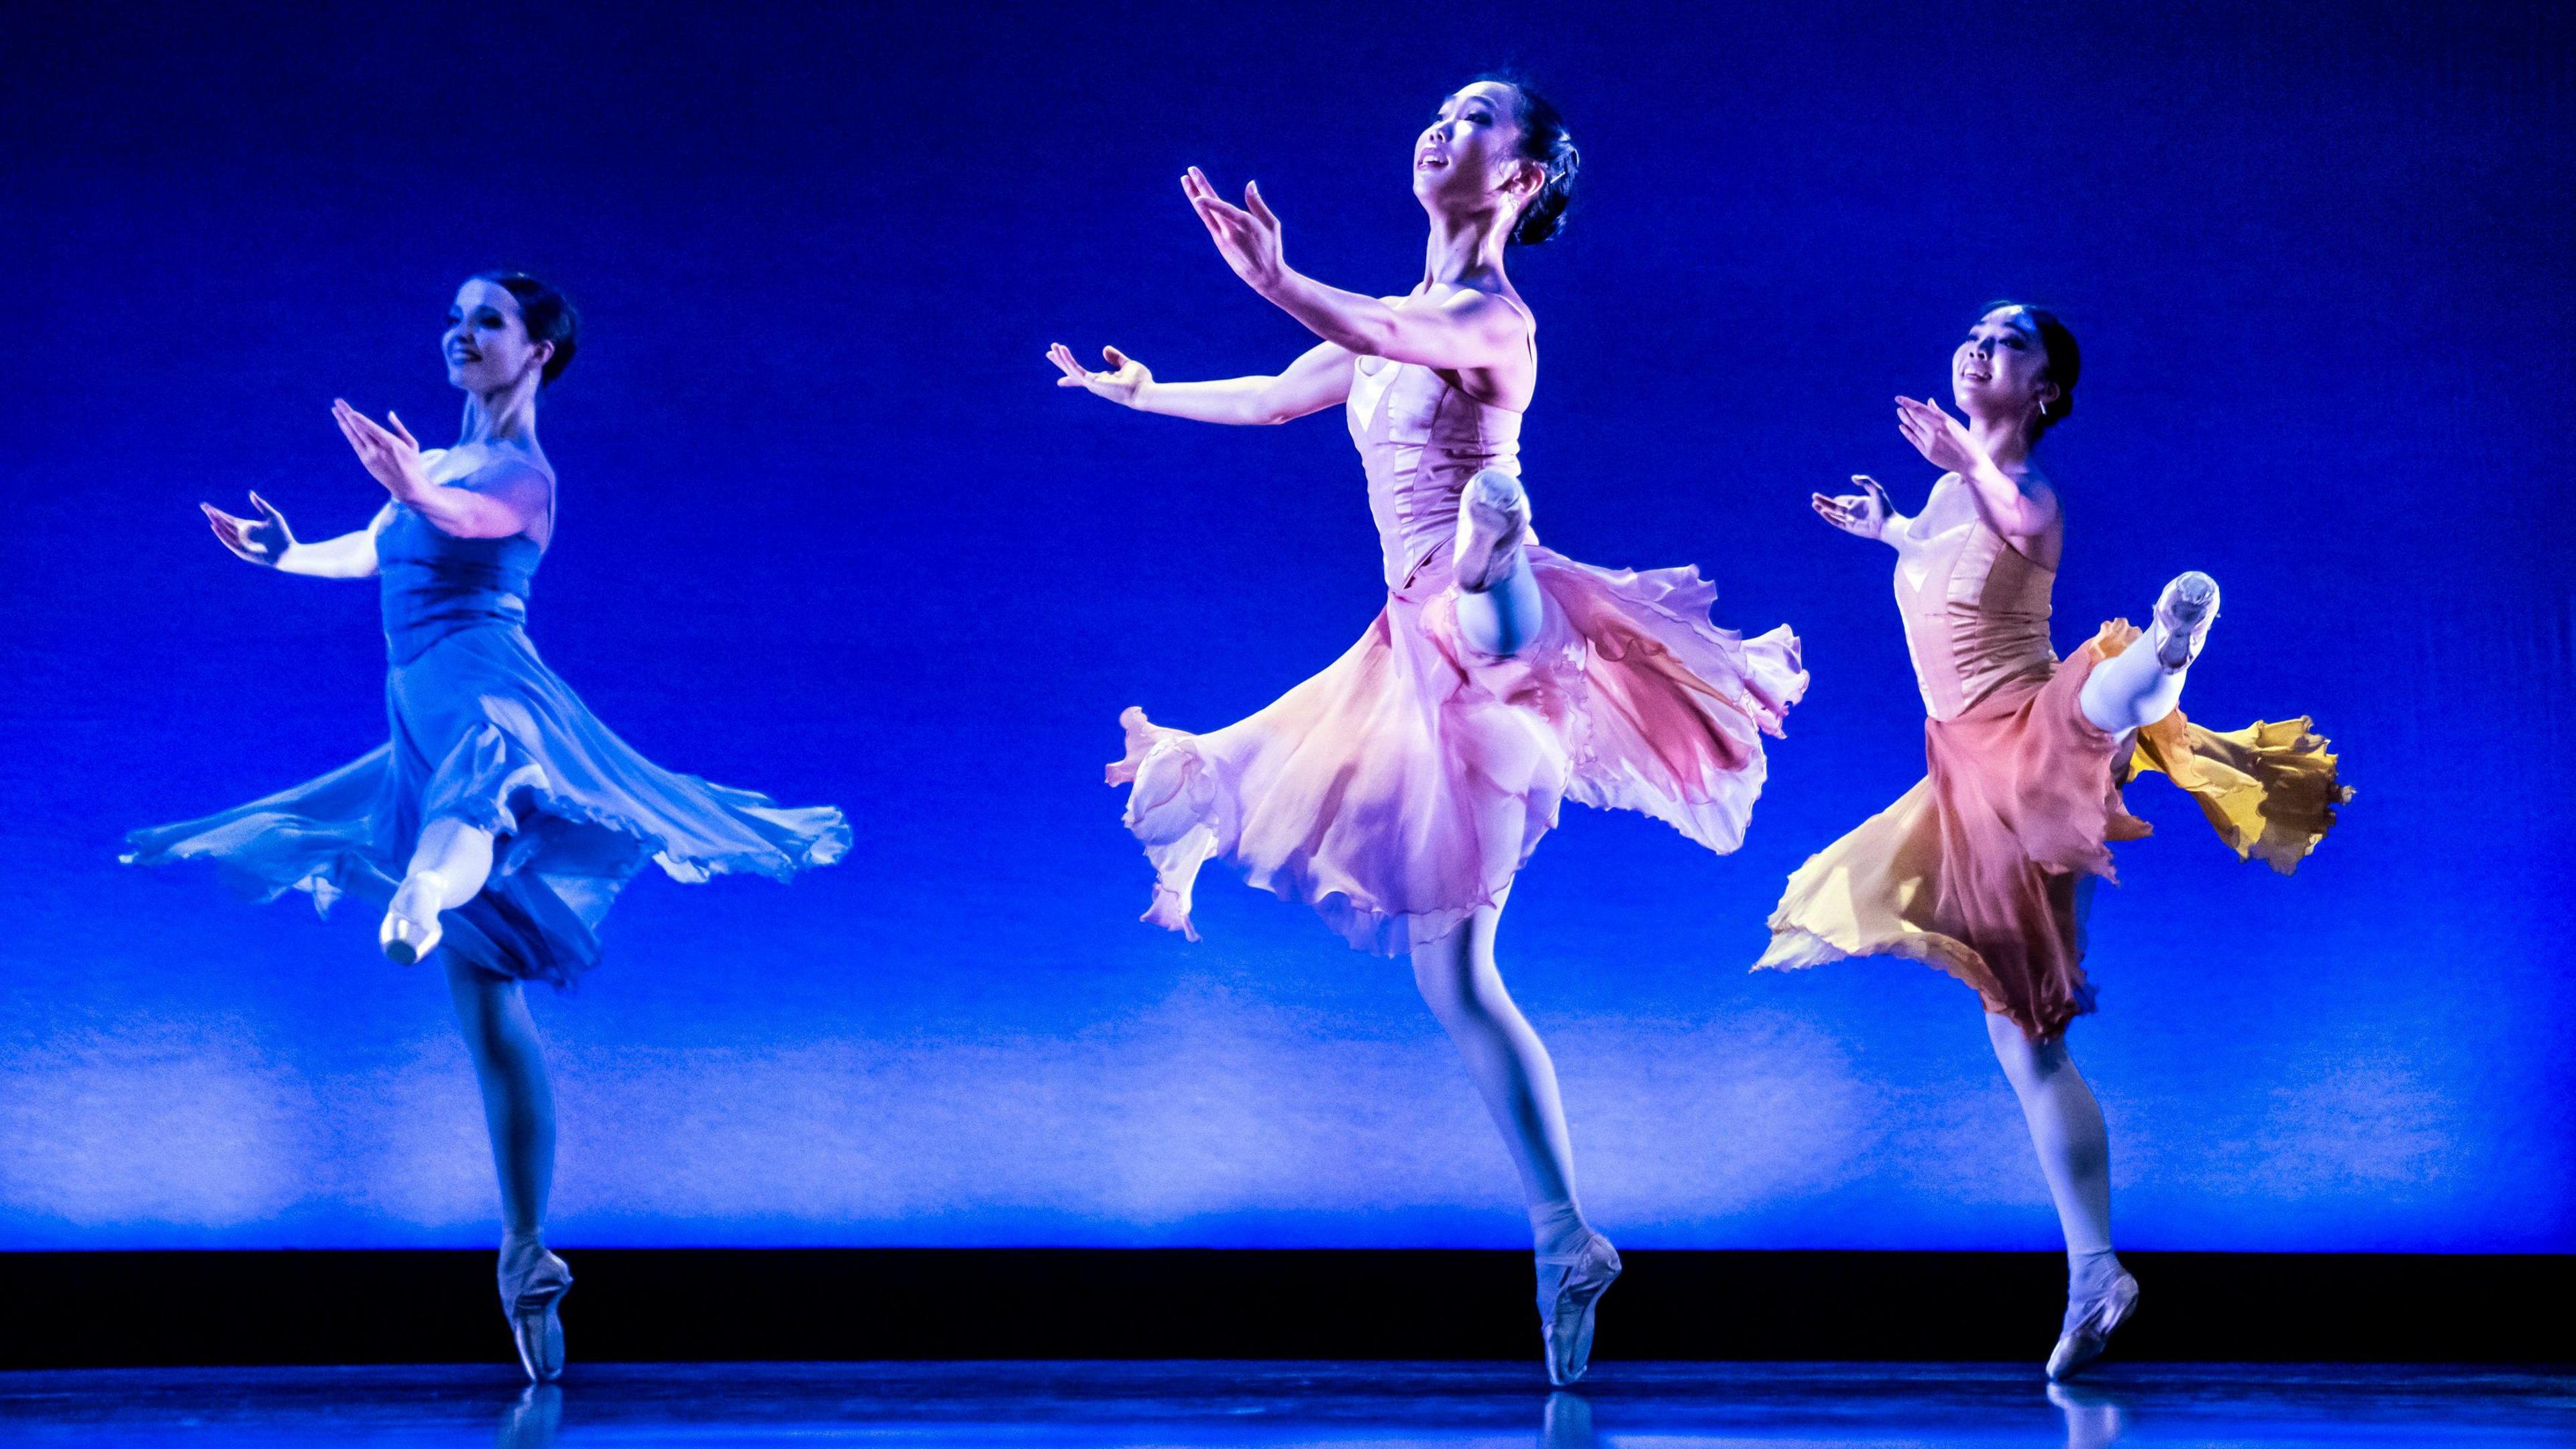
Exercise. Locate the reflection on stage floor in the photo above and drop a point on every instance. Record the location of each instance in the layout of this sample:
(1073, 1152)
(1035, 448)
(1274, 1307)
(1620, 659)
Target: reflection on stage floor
(1172, 1405)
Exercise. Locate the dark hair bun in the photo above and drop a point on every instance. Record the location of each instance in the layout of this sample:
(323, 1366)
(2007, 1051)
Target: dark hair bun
(2063, 361)
(548, 315)
(1543, 140)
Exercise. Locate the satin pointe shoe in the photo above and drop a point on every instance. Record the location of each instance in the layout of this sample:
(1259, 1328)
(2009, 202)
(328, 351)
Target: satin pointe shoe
(410, 929)
(1570, 1286)
(2089, 1323)
(533, 1284)
(2184, 612)
(1493, 522)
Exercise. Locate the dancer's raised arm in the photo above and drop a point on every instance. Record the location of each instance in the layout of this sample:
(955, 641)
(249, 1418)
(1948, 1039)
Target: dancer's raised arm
(504, 502)
(2010, 509)
(1866, 514)
(268, 542)
(1318, 379)
(1467, 329)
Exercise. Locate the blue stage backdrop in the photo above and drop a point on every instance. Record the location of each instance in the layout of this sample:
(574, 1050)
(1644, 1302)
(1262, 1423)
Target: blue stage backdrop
(827, 531)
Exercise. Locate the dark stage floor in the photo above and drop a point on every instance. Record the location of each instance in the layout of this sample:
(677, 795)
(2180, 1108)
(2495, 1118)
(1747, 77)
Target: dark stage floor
(1205, 1403)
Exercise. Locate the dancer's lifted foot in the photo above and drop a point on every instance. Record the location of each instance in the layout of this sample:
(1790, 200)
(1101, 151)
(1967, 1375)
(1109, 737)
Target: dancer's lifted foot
(1570, 1285)
(1493, 523)
(533, 1284)
(2184, 613)
(410, 929)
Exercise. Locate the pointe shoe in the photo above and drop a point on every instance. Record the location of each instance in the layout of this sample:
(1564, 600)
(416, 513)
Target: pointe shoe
(2088, 1327)
(2184, 613)
(533, 1284)
(1570, 1286)
(410, 929)
(1493, 522)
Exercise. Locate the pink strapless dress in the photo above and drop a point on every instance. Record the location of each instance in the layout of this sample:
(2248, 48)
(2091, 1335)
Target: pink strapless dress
(1403, 787)
(1977, 870)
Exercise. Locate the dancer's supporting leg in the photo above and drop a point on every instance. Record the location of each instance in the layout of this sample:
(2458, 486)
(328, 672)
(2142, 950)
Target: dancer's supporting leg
(1512, 1072)
(1499, 603)
(519, 1111)
(2142, 684)
(2075, 1156)
(448, 868)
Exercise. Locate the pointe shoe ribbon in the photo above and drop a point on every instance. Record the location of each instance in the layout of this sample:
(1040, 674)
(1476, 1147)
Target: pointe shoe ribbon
(2184, 612)
(1570, 1286)
(1493, 523)
(410, 929)
(2089, 1325)
(533, 1283)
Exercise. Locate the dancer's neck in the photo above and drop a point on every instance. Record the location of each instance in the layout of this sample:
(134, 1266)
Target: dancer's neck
(503, 415)
(2004, 439)
(1462, 247)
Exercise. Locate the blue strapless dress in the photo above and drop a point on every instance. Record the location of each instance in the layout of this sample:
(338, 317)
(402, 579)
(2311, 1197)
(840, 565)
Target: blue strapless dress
(484, 732)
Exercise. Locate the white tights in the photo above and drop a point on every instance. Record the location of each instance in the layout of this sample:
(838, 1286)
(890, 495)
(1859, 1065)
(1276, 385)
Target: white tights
(2065, 1128)
(1500, 618)
(449, 868)
(1510, 1067)
(2132, 689)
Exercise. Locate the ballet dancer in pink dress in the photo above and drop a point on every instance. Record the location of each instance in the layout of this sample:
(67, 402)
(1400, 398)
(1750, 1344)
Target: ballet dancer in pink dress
(1400, 790)
(1977, 870)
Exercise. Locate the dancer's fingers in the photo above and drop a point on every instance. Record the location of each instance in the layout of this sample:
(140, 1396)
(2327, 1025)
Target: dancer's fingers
(1260, 209)
(1117, 359)
(396, 418)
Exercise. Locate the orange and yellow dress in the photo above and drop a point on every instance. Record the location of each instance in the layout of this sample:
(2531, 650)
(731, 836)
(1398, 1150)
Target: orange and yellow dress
(1975, 869)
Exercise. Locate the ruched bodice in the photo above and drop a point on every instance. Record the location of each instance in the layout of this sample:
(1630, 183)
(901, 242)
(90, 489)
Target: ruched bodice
(1420, 440)
(1975, 611)
(434, 583)
(1400, 789)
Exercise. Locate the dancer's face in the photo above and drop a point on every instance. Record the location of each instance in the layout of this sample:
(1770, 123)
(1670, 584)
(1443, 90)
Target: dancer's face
(1470, 154)
(1997, 371)
(486, 343)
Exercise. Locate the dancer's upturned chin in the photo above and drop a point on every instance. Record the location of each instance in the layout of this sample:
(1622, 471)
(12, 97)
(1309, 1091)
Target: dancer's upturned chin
(1977, 869)
(499, 822)
(1400, 790)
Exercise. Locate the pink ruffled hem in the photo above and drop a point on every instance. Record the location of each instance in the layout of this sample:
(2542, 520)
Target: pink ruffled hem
(1401, 789)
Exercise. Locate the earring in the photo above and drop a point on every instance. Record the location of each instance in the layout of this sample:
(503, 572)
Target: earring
(2043, 407)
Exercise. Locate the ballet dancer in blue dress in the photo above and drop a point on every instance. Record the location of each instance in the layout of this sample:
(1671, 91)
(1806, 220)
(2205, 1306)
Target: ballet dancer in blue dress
(501, 818)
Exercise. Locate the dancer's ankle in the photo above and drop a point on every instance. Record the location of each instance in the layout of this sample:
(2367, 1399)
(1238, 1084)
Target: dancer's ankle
(1558, 1227)
(2091, 1273)
(424, 891)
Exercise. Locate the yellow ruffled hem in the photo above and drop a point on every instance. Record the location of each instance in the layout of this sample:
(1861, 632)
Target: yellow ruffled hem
(2268, 789)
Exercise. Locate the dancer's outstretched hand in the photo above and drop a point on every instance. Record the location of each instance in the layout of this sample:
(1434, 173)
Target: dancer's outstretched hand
(1124, 382)
(263, 540)
(1864, 514)
(392, 458)
(1939, 437)
(1247, 235)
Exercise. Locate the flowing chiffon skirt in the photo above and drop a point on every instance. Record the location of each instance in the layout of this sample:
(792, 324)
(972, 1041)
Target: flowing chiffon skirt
(1400, 789)
(485, 733)
(1979, 869)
